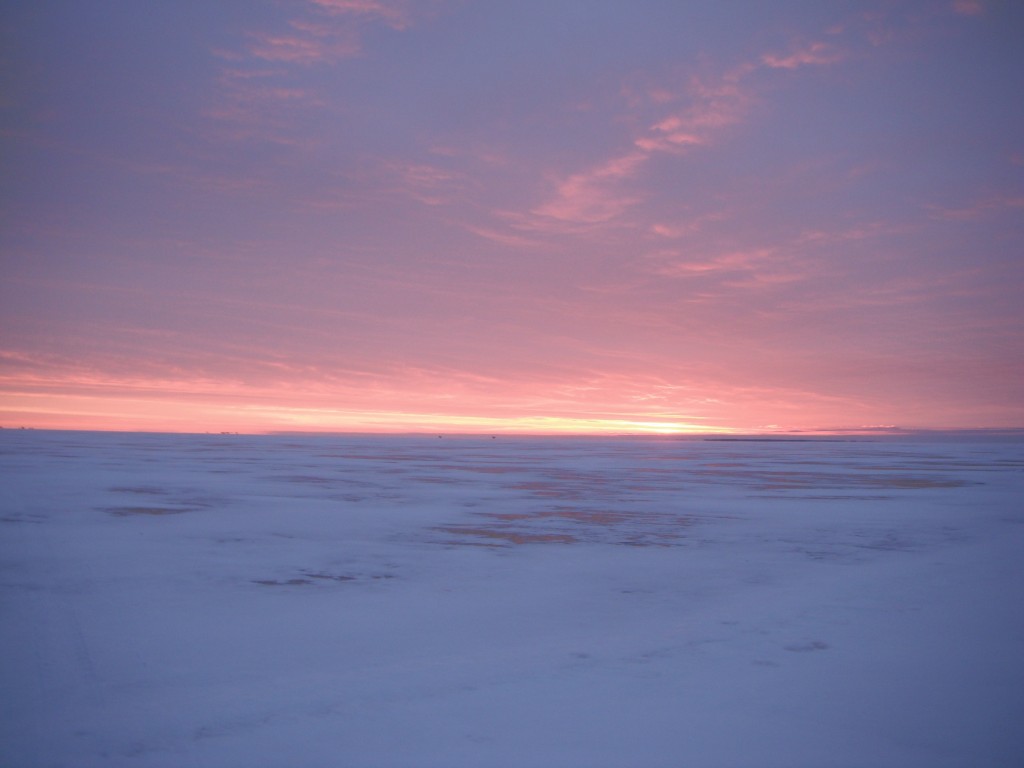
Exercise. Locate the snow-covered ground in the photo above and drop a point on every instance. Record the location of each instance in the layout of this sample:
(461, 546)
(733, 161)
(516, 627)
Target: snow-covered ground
(170, 600)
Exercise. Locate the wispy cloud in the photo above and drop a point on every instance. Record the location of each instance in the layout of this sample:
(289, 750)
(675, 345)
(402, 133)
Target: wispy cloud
(306, 43)
(683, 227)
(263, 80)
(599, 195)
(504, 237)
(327, 31)
(676, 264)
(968, 7)
(395, 14)
(822, 237)
(812, 54)
(982, 208)
(594, 195)
(260, 103)
(709, 107)
(693, 116)
(673, 134)
(429, 184)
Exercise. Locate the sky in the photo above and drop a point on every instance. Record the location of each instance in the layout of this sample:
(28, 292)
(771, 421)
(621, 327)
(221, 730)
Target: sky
(532, 216)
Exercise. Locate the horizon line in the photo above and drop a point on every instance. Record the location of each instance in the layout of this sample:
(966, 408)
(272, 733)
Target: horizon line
(720, 435)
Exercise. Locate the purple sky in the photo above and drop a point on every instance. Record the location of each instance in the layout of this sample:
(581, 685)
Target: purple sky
(530, 216)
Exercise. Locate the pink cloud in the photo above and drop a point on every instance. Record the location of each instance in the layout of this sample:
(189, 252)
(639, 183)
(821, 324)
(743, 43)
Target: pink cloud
(676, 230)
(861, 232)
(670, 135)
(592, 196)
(429, 184)
(395, 15)
(698, 114)
(327, 35)
(706, 107)
(765, 278)
(322, 32)
(503, 238)
(257, 104)
(815, 54)
(485, 156)
(307, 44)
(968, 7)
(731, 261)
(981, 208)
(668, 230)
(711, 105)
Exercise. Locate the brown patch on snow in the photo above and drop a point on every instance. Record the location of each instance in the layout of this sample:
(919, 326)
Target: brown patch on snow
(129, 511)
(507, 536)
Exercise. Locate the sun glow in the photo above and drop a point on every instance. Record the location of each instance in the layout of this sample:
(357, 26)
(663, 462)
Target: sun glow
(169, 413)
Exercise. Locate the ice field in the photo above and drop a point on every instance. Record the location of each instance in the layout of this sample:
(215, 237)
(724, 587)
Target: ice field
(223, 600)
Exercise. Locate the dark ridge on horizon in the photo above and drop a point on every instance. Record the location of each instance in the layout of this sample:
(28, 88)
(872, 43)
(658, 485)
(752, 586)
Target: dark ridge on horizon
(785, 439)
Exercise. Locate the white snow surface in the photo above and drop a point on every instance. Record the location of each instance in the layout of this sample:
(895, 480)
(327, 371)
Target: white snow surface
(224, 600)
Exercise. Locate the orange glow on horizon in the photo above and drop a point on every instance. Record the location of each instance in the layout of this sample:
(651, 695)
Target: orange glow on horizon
(439, 401)
(167, 414)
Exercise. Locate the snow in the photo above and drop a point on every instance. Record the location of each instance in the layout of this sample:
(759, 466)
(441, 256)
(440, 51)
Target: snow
(224, 600)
